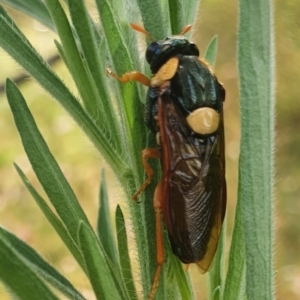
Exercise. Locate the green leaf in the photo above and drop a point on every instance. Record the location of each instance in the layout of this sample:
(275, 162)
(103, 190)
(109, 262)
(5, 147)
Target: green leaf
(182, 13)
(176, 15)
(17, 46)
(118, 49)
(131, 109)
(19, 277)
(104, 226)
(256, 163)
(72, 53)
(46, 169)
(33, 8)
(122, 62)
(104, 281)
(38, 265)
(216, 274)
(53, 219)
(89, 42)
(5, 16)
(235, 280)
(180, 276)
(211, 51)
(124, 254)
(155, 18)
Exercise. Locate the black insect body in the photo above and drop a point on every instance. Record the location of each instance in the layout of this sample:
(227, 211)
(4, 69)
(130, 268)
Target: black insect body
(184, 108)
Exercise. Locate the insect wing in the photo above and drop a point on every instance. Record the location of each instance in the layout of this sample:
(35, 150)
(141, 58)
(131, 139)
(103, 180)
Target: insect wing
(194, 186)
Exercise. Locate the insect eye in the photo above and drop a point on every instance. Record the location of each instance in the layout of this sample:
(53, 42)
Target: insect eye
(152, 49)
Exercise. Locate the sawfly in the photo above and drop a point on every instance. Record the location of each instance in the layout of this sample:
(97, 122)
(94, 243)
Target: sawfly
(184, 108)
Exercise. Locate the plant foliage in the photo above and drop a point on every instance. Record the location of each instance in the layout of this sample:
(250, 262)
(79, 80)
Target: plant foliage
(110, 114)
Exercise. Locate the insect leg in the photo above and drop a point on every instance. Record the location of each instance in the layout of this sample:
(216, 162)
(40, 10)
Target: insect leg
(133, 75)
(146, 154)
(157, 203)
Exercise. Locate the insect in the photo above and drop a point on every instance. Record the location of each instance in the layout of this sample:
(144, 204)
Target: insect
(184, 108)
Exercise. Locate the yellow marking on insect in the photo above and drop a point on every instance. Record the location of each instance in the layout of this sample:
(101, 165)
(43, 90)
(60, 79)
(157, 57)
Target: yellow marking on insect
(166, 72)
(204, 120)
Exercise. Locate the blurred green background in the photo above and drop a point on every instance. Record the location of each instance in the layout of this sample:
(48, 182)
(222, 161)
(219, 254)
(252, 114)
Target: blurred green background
(81, 163)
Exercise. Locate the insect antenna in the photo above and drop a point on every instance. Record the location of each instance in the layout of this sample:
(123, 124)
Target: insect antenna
(185, 29)
(142, 30)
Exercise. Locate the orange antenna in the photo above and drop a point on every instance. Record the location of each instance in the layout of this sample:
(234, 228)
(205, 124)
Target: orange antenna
(185, 29)
(142, 30)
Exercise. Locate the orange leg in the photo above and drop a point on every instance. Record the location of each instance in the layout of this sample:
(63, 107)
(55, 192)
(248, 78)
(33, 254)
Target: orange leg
(146, 154)
(157, 203)
(133, 75)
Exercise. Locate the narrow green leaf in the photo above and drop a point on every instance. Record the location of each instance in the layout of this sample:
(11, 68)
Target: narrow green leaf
(176, 15)
(95, 26)
(154, 18)
(37, 264)
(235, 279)
(61, 52)
(88, 43)
(53, 219)
(182, 13)
(33, 8)
(46, 168)
(136, 136)
(127, 96)
(181, 277)
(8, 19)
(216, 274)
(122, 62)
(104, 113)
(16, 45)
(72, 54)
(211, 51)
(256, 163)
(19, 277)
(124, 254)
(113, 34)
(104, 228)
(127, 12)
(104, 281)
